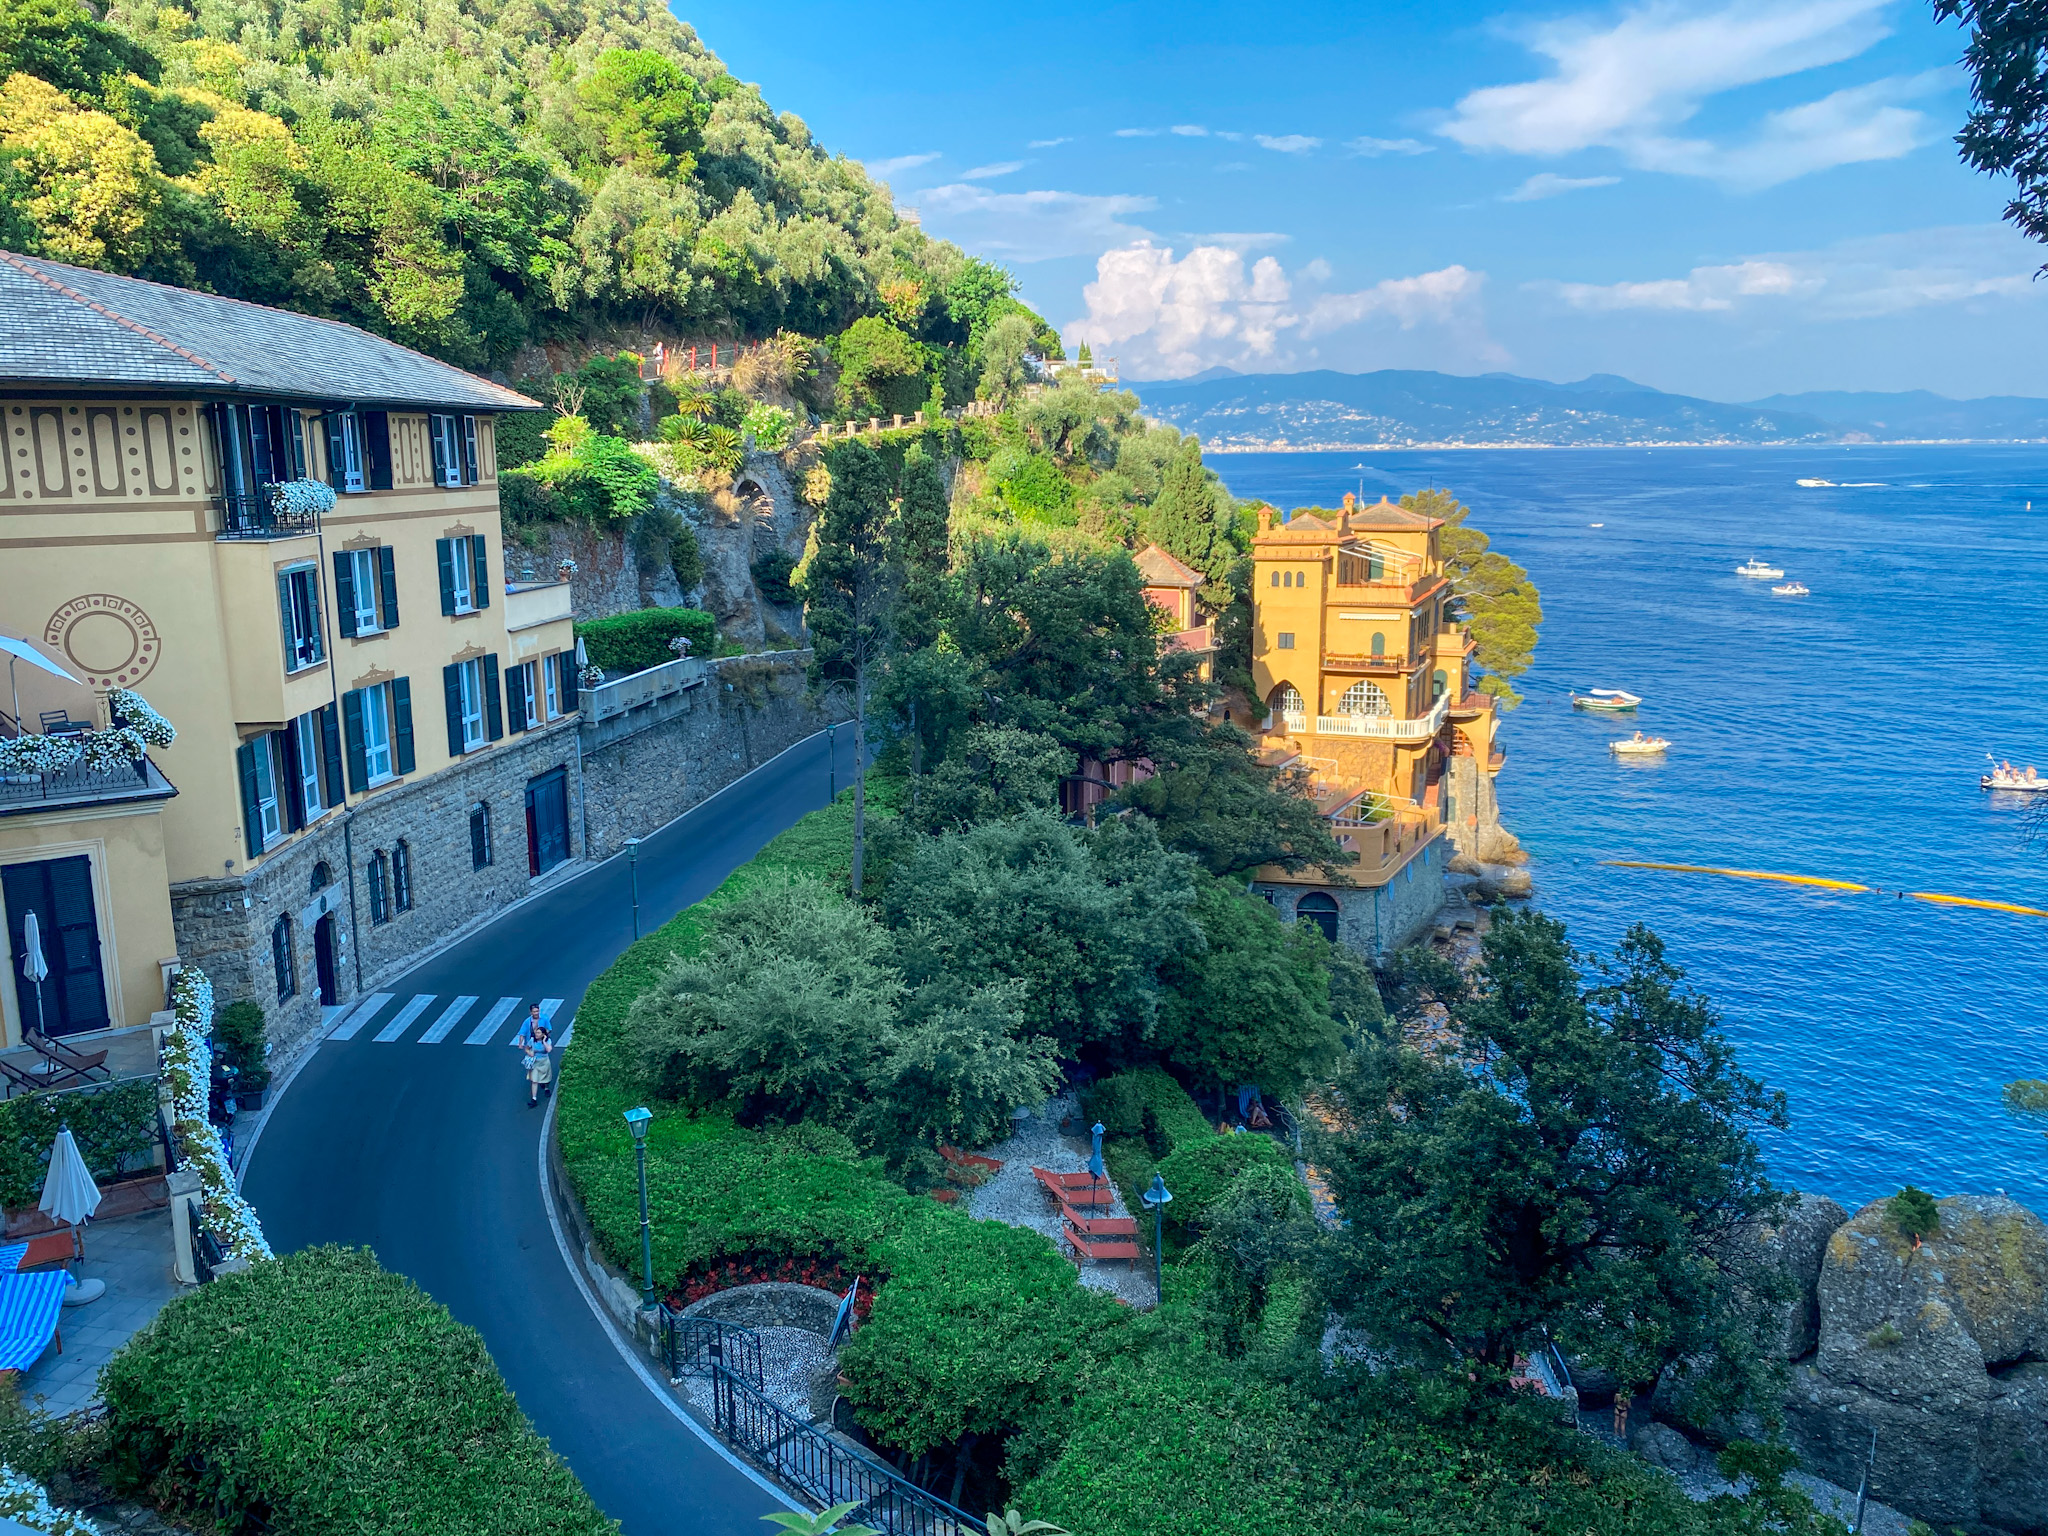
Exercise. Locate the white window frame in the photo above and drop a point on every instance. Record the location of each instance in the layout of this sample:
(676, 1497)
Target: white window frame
(351, 466)
(448, 435)
(312, 751)
(550, 672)
(369, 589)
(536, 707)
(379, 744)
(462, 575)
(301, 650)
(269, 808)
(469, 678)
(1365, 699)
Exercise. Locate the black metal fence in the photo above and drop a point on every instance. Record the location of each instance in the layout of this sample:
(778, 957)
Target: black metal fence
(695, 1346)
(806, 1458)
(207, 1253)
(253, 515)
(80, 783)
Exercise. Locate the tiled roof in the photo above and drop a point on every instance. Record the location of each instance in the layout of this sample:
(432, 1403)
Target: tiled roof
(1312, 525)
(1161, 570)
(69, 326)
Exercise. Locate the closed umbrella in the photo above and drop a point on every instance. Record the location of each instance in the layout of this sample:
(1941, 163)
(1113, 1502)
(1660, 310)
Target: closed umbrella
(33, 966)
(70, 1197)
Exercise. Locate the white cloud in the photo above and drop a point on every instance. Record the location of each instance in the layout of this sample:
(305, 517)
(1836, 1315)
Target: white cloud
(1047, 143)
(1139, 133)
(1252, 240)
(1549, 184)
(1191, 130)
(1859, 279)
(882, 170)
(1629, 84)
(1030, 226)
(1287, 143)
(1000, 168)
(1169, 317)
(1371, 147)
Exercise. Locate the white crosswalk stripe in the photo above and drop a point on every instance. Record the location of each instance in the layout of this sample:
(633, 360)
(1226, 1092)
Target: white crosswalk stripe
(501, 1010)
(406, 1015)
(450, 1017)
(358, 1016)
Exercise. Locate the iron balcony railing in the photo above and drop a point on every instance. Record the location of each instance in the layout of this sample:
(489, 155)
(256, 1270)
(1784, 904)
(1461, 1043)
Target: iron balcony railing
(253, 515)
(80, 785)
(830, 1471)
(695, 1346)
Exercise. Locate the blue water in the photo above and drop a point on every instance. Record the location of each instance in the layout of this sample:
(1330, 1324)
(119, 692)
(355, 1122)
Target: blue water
(1838, 735)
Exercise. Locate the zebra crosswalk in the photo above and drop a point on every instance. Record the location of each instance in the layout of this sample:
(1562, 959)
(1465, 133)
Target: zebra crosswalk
(497, 1024)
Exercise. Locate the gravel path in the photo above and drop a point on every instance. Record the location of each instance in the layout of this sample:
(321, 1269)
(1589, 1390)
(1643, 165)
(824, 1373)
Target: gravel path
(1015, 1198)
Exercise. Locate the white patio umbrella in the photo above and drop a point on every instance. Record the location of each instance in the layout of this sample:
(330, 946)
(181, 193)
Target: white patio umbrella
(20, 650)
(34, 967)
(70, 1197)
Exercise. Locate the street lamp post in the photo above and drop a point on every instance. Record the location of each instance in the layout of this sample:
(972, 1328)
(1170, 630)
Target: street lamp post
(633, 874)
(637, 1119)
(1095, 1169)
(1156, 1197)
(832, 755)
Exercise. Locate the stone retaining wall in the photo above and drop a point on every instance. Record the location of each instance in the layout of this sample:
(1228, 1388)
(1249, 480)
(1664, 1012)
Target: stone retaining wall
(1377, 920)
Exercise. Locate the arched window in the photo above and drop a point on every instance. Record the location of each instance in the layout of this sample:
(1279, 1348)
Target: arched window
(323, 877)
(401, 876)
(380, 887)
(1364, 699)
(1379, 643)
(1439, 684)
(1276, 579)
(1320, 909)
(1287, 700)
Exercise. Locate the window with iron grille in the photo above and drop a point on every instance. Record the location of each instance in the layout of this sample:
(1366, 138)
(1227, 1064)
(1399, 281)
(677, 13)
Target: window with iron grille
(479, 836)
(401, 876)
(380, 888)
(281, 958)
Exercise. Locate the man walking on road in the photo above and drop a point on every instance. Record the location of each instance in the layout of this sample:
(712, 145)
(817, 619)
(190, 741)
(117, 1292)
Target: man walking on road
(535, 1045)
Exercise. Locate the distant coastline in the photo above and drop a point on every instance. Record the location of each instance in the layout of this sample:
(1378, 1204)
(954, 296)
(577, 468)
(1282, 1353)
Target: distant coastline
(1212, 447)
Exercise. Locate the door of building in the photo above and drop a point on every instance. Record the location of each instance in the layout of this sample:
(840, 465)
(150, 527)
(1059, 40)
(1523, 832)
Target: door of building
(73, 996)
(547, 821)
(323, 961)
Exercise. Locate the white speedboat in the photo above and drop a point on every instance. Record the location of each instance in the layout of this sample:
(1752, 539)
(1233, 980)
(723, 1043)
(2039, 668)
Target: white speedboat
(1760, 571)
(2025, 781)
(1611, 700)
(1816, 482)
(1639, 745)
(1793, 589)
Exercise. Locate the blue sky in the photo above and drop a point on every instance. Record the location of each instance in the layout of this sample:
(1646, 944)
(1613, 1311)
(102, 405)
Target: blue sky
(1731, 198)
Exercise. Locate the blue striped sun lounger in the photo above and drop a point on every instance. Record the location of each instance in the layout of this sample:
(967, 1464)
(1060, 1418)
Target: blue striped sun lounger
(11, 1257)
(29, 1305)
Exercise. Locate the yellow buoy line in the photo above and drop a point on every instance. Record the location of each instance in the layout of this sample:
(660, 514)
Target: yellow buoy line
(1935, 897)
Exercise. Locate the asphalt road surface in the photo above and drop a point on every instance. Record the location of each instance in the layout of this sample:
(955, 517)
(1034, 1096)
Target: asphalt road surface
(408, 1132)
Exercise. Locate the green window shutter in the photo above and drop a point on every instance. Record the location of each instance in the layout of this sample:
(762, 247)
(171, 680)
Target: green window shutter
(494, 710)
(440, 455)
(451, 691)
(345, 593)
(387, 584)
(480, 572)
(444, 555)
(565, 673)
(290, 795)
(377, 449)
(252, 816)
(336, 454)
(330, 750)
(469, 455)
(352, 728)
(517, 703)
(401, 714)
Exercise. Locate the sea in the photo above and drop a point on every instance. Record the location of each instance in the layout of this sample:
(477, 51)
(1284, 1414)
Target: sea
(1838, 735)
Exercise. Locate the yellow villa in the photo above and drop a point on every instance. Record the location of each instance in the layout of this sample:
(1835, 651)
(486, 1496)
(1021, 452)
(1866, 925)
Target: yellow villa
(280, 534)
(1367, 683)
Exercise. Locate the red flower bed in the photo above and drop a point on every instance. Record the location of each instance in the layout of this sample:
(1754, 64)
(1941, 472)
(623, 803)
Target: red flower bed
(761, 1268)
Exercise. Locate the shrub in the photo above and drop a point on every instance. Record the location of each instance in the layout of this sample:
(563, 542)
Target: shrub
(1200, 1171)
(521, 438)
(771, 574)
(115, 1127)
(525, 499)
(1146, 1103)
(1037, 490)
(1913, 1213)
(601, 480)
(238, 1037)
(318, 1394)
(633, 642)
(771, 427)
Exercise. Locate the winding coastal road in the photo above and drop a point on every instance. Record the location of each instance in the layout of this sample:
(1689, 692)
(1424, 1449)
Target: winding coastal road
(408, 1131)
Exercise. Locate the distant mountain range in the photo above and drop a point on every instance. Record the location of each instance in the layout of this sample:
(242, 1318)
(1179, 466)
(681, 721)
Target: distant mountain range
(1413, 408)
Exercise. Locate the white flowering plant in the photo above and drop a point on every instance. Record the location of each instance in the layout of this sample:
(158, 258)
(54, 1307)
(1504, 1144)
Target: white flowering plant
(188, 1070)
(25, 1502)
(301, 498)
(132, 710)
(110, 751)
(565, 568)
(38, 754)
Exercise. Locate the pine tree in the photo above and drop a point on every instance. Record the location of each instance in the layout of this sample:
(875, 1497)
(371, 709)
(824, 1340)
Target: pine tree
(1189, 518)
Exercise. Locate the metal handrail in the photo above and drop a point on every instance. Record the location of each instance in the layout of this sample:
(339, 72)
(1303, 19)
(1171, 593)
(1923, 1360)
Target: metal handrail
(207, 1254)
(831, 1472)
(696, 1346)
(254, 515)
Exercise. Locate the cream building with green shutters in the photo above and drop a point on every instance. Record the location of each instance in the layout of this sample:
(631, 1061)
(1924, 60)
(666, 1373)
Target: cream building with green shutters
(283, 534)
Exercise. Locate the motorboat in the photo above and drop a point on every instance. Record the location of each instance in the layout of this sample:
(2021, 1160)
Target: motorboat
(1760, 571)
(1612, 700)
(1793, 589)
(1596, 525)
(1816, 482)
(1639, 745)
(2025, 781)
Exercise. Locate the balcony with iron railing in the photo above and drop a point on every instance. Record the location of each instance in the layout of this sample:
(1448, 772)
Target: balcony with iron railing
(258, 515)
(79, 786)
(1392, 662)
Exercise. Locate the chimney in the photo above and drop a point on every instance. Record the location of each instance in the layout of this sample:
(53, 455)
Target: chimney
(1350, 501)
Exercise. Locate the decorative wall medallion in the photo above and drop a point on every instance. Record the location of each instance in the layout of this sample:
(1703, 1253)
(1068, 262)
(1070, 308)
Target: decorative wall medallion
(110, 640)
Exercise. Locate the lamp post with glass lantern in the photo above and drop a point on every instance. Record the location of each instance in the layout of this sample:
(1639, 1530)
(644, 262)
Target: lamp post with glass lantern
(633, 874)
(1157, 1197)
(637, 1119)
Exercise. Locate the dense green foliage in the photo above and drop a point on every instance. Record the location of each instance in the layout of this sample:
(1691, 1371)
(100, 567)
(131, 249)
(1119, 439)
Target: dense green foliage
(115, 1127)
(1913, 1214)
(317, 1393)
(1492, 595)
(2007, 130)
(239, 1040)
(633, 642)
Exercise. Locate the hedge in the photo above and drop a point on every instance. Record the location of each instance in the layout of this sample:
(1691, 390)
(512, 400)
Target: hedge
(316, 1393)
(1199, 1171)
(633, 642)
(115, 1126)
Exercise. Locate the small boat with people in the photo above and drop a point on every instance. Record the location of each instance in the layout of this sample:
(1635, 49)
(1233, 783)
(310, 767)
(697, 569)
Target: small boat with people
(2025, 781)
(1793, 589)
(1610, 700)
(1639, 745)
(1758, 570)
